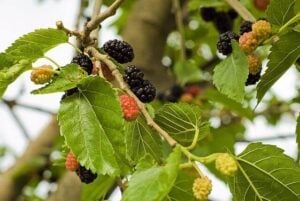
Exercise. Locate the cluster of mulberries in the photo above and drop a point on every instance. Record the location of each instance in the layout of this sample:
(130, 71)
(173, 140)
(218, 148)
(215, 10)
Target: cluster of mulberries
(223, 21)
(85, 175)
(171, 95)
(251, 36)
(177, 93)
(142, 88)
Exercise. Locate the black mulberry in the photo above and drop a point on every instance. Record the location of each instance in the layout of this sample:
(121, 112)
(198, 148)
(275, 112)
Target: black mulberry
(223, 22)
(121, 51)
(83, 61)
(224, 43)
(252, 79)
(85, 175)
(245, 27)
(208, 13)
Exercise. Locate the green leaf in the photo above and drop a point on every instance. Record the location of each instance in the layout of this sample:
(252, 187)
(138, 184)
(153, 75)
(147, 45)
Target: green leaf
(265, 173)
(231, 74)
(97, 189)
(283, 54)
(182, 189)
(182, 121)
(216, 97)
(142, 140)
(33, 45)
(155, 183)
(5, 61)
(91, 122)
(7, 76)
(68, 78)
(187, 72)
(298, 135)
(280, 11)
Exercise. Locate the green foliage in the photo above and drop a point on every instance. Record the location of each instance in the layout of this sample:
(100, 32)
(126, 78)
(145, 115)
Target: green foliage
(97, 189)
(216, 97)
(142, 140)
(265, 173)
(187, 72)
(154, 184)
(182, 121)
(5, 61)
(182, 188)
(92, 124)
(298, 135)
(283, 54)
(280, 11)
(9, 75)
(231, 74)
(69, 77)
(33, 45)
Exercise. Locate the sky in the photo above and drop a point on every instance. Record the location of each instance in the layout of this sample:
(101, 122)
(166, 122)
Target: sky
(19, 17)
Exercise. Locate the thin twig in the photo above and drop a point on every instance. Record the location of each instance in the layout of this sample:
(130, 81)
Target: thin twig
(267, 138)
(180, 27)
(94, 23)
(119, 78)
(96, 11)
(60, 25)
(241, 10)
(80, 14)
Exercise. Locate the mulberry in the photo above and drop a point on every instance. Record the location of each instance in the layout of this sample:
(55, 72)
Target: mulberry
(202, 188)
(248, 42)
(226, 164)
(85, 175)
(42, 74)
(224, 43)
(121, 51)
(84, 61)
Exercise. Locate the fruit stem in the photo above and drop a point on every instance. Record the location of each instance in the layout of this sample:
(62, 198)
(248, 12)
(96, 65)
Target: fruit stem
(52, 61)
(291, 21)
(195, 140)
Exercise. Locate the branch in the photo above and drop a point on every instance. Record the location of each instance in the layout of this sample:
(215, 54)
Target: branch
(96, 11)
(267, 138)
(94, 23)
(180, 27)
(119, 78)
(241, 10)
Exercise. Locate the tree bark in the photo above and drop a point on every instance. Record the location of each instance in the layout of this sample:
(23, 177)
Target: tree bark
(11, 184)
(147, 28)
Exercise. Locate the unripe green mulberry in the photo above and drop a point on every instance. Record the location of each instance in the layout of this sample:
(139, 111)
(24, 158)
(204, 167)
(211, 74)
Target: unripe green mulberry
(248, 42)
(226, 164)
(254, 64)
(262, 29)
(202, 188)
(42, 74)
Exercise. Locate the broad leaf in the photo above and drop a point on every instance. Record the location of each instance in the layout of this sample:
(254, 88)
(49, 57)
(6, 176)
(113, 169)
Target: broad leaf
(33, 45)
(182, 121)
(280, 11)
(182, 189)
(155, 183)
(265, 173)
(231, 74)
(5, 61)
(92, 124)
(283, 54)
(236, 107)
(142, 140)
(298, 135)
(98, 189)
(68, 78)
(7, 76)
